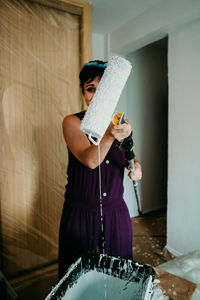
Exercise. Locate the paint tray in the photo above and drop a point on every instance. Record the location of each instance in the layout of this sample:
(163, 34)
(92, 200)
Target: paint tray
(120, 279)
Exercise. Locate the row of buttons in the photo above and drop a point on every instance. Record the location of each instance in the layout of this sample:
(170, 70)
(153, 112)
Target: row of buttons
(107, 162)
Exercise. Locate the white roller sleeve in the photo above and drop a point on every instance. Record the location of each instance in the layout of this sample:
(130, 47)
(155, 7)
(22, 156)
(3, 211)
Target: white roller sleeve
(100, 111)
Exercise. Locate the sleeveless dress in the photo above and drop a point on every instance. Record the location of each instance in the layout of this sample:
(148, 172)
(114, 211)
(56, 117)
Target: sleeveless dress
(80, 227)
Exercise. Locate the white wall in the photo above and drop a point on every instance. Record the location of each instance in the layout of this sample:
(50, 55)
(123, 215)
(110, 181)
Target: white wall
(179, 19)
(98, 46)
(154, 24)
(184, 139)
(129, 195)
(147, 111)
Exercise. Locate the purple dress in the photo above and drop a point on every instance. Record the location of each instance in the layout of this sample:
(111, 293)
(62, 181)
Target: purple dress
(80, 227)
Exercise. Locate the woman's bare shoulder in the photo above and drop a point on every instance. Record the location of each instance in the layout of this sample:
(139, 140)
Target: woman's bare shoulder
(70, 119)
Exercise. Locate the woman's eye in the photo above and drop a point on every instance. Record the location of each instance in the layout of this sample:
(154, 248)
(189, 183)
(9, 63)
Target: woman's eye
(91, 90)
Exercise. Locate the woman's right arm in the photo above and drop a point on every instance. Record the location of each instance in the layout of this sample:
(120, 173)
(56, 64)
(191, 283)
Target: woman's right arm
(80, 146)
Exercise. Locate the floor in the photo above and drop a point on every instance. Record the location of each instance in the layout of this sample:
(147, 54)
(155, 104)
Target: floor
(149, 239)
(188, 267)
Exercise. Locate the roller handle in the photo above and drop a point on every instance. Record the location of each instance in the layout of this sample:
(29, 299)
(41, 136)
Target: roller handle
(128, 146)
(92, 140)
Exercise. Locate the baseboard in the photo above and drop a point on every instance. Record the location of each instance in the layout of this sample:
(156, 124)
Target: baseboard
(173, 251)
(152, 209)
(145, 211)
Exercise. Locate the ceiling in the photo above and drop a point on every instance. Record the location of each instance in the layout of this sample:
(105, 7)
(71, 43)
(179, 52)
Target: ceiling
(108, 15)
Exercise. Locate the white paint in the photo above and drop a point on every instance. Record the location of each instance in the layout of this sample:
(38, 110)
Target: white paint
(92, 285)
(158, 295)
(101, 203)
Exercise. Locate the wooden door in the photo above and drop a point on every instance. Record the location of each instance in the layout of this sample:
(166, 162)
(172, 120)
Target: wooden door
(41, 49)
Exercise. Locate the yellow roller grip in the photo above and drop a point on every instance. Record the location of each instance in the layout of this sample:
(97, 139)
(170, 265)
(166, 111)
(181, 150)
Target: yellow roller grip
(118, 118)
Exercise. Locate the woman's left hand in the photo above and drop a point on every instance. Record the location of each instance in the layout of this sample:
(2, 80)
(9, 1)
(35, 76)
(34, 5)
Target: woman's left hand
(137, 173)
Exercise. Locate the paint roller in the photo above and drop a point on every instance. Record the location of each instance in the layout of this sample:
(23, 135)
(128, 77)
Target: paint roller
(101, 109)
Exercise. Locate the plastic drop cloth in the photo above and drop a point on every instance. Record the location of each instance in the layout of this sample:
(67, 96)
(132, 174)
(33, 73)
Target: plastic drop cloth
(174, 287)
(39, 66)
(186, 266)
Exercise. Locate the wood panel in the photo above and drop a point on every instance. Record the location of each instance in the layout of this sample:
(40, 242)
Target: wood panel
(40, 53)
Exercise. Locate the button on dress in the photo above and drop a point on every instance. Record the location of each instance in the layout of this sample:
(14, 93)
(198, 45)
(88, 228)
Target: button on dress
(80, 226)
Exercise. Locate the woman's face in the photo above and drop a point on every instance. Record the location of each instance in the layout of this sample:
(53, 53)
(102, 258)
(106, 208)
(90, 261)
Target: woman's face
(90, 89)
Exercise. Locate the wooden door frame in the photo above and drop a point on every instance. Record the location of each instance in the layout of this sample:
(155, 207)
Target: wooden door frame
(84, 10)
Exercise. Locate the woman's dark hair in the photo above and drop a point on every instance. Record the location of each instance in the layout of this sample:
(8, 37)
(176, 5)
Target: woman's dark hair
(91, 70)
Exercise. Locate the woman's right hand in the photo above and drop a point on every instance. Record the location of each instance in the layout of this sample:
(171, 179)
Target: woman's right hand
(120, 132)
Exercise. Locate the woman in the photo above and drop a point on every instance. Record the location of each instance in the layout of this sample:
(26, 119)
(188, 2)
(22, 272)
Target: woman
(80, 228)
